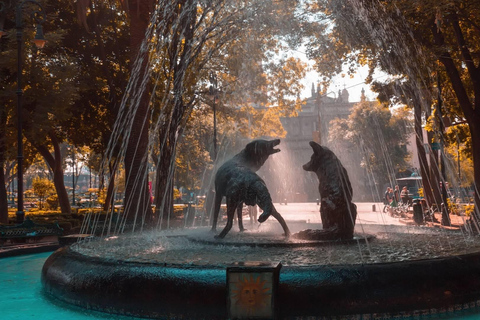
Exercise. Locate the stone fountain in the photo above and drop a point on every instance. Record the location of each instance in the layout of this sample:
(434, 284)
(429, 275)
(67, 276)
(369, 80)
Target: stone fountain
(188, 274)
(184, 275)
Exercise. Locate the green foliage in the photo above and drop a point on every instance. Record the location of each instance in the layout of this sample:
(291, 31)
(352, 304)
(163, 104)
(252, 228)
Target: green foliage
(71, 87)
(176, 193)
(420, 192)
(428, 48)
(459, 153)
(453, 207)
(382, 135)
(51, 203)
(42, 187)
(237, 41)
(258, 86)
(469, 208)
(192, 153)
(102, 194)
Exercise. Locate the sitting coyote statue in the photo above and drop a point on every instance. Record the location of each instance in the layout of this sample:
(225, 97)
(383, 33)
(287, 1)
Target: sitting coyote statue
(337, 210)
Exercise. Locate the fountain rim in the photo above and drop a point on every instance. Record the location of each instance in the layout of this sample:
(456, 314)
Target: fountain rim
(381, 288)
(109, 260)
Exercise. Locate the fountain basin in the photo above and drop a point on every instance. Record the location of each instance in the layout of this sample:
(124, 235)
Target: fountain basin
(189, 291)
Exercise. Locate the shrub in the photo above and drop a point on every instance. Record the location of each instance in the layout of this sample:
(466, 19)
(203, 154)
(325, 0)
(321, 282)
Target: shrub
(102, 195)
(42, 187)
(469, 209)
(452, 206)
(51, 203)
(420, 192)
(176, 194)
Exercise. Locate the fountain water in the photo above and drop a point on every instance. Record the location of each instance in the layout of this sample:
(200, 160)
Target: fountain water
(405, 271)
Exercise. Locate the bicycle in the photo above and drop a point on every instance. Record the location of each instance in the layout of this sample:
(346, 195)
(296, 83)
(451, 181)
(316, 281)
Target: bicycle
(429, 213)
(399, 210)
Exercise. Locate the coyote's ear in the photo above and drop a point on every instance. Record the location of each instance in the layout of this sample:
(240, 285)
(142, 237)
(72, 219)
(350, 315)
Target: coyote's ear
(317, 149)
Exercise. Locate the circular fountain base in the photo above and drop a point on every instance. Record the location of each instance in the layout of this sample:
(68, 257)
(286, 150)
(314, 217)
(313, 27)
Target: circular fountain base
(250, 240)
(162, 289)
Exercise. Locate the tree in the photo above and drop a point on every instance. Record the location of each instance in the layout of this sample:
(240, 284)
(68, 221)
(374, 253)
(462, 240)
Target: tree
(3, 163)
(407, 93)
(3, 190)
(381, 136)
(193, 158)
(181, 49)
(43, 188)
(190, 40)
(47, 91)
(432, 44)
(78, 80)
(459, 156)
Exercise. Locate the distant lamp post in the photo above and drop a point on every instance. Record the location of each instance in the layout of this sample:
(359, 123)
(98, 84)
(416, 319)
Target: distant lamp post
(39, 16)
(39, 40)
(213, 90)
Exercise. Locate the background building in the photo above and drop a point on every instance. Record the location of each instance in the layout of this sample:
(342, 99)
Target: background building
(285, 176)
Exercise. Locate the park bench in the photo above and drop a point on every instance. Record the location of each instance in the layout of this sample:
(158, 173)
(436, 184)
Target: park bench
(28, 231)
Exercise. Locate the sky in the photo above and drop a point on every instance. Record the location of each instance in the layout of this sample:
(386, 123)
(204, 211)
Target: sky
(353, 85)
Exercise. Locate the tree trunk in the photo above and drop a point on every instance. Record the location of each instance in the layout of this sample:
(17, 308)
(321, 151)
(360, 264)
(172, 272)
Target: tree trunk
(3, 194)
(164, 186)
(137, 198)
(163, 200)
(56, 164)
(111, 186)
(422, 157)
(434, 173)
(3, 190)
(181, 56)
(474, 131)
(470, 110)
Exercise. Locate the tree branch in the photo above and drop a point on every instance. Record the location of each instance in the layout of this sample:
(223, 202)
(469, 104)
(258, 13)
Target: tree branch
(467, 57)
(446, 59)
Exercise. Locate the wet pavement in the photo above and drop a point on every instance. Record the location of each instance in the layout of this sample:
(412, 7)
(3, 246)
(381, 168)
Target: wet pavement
(367, 213)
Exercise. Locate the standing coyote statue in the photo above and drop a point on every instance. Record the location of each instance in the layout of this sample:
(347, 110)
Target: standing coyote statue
(237, 181)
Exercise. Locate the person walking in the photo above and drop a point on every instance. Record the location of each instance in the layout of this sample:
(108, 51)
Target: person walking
(396, 197)
(404, 196)
(387, 199)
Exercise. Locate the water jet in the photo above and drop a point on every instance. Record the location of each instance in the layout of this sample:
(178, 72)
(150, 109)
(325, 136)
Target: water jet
(404, 271)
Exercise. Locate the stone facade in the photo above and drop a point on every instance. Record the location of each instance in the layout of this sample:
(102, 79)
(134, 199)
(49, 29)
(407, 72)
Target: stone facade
(291, 182)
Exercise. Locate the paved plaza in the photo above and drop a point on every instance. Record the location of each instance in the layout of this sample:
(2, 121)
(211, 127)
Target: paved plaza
(370, 218)
(367, 213)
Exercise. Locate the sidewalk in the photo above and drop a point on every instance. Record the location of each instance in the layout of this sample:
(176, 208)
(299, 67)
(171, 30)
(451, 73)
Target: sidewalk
(17, 249)
(456, 222)
(370, 216)
(367, 213)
